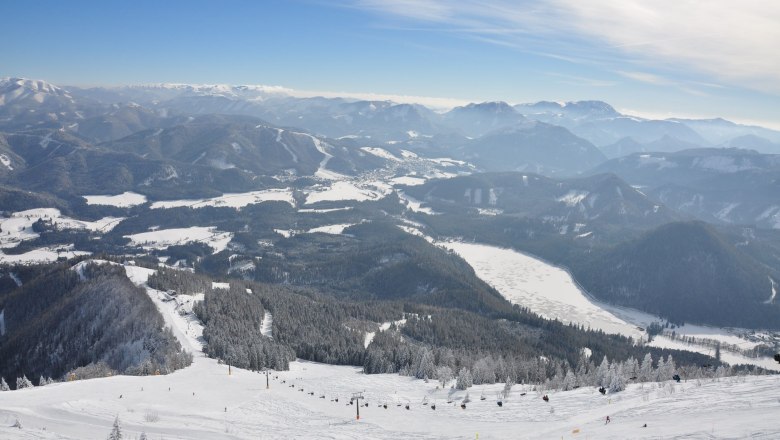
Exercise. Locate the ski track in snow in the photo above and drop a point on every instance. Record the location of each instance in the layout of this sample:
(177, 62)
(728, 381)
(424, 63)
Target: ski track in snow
(322, 172)
(279, 132)
(267, 325)
(774, 292)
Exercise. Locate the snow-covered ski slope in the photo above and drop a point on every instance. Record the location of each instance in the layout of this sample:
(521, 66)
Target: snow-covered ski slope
(204, 402)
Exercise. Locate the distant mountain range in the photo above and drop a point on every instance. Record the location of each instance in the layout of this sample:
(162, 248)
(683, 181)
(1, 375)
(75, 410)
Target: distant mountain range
(595, 121)
(622, 201)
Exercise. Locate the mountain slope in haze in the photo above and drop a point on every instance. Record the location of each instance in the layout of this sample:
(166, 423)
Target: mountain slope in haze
(653, 169)
(601, 124)
(594, 202)
(244, 143)
(56, 162)
(714, 184)
(720, 131)
(533, 147)
(476, 120)
(753, 142)
(27, 103)
(687, 273)
(628, 145)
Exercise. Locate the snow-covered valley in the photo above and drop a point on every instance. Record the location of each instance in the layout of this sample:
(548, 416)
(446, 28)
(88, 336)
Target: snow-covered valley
(552, 292)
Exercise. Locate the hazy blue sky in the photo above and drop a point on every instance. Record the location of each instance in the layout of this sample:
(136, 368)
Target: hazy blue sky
(660, 58)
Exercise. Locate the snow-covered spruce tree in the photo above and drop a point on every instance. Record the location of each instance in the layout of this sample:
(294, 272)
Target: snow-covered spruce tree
(617, 383)
(484, 371)
(660, 370)
(508, 386)
(569, 381)
(444, 375)
(646, 370)
(669, 368)
(425, 364)
(4, 385)
(602, 373)
(464, 379)
(116, 431)
(631, 368)
(143, 436)
(23, 382)
(584, 373)
(42, 381)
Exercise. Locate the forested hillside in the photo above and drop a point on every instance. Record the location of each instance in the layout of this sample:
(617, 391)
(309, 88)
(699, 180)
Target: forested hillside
(63, 324)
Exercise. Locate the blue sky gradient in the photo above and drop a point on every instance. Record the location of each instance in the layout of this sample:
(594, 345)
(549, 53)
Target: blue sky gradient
(511, 51)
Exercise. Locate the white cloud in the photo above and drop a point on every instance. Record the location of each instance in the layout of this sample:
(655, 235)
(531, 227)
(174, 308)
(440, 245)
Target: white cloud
(428, 101)
(720, 40)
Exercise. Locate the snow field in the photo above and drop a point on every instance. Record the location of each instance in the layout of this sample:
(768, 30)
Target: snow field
(408, 180)
(124, 200)
(331, 229)
(6, 162)
(195, 408)
(237, 200)
(415, 205)
(544, 289)
(163, 238)
(344, 190)
(42, 255)
(18, 227)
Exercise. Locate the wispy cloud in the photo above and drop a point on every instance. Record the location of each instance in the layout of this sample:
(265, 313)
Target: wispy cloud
(580, 80)
(657, 80)
(723, 41)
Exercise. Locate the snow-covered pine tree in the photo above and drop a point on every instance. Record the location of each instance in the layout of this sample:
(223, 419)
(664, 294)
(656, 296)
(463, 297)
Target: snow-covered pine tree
(23, 382)
(569, 381)
(584, 374)
(425, 364)
(42, 381)
(464, 379)
(116, 432)
(444, 375)
(508, 387)
(661, 370)
(670, 367)
(646, 370)
(602, 373)
(611, 373)
(631, 367)
(617, 383)
(3, 385)
(484, 371)
(143, 436)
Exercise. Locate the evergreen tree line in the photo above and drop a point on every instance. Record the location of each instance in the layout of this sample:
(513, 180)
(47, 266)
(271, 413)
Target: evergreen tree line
(58, 325)
(390, 352)
(180, 281)
(232, 322)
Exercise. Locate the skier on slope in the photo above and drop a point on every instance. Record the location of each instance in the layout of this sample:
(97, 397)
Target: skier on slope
(607, 421)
